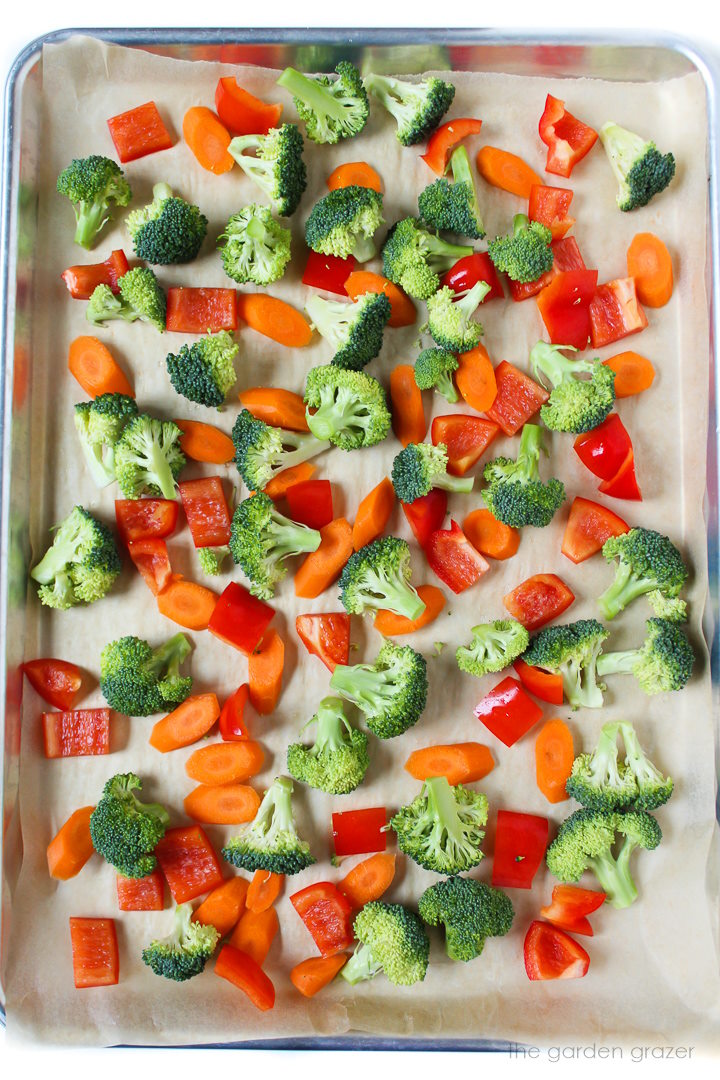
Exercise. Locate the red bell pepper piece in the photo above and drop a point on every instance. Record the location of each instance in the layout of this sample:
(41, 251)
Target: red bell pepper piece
(550, 206)
(444, 140)
(327, 914)
(141, 894)
(564, 307)
(328, 272)
(568, 139)
(604, 449)
(570, 906)
(508, 712)
(231, 721)
(471, 269)
(146, 519)
(615, 312)
(520, 843)
(242, 113)
(77, 733)
(189, 863)
(359, 832)
(589, 526)
(56, 681)
(454, 559)
(518, 398)
(310, 502)
(326, 636)
(426, 514)
(94, 952)
(550, 953)
(538, 600)
(245, 973)
(206, 510)
(543, 684)
(152, 560)
(82, 281)
(201, 310)
(624, 484)
(240, 619)
(466, 438)
(566, 257)
(139, 132)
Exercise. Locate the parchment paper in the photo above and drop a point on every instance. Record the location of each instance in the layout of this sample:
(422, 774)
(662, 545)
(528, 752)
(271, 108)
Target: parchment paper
(654, 972)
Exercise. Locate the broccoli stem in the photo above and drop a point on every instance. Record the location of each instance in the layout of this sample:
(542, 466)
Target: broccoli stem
(397, 595)
(603, 770)
(56, 558)
(446, 387)
(454, 483)
(332, 727)
(441, 801)
(624, 589)
(361, 965)
(623, 149)
(365, 249)
(90, 218)
(614, 876)
(304, 448)
(618, 663)
(275, 810)
(167, 658)
(289, 538)
(549, 365)
(531, 445)
(440, 255)
(643, 769)
(336, 414)
(362, 684)
(316, 96)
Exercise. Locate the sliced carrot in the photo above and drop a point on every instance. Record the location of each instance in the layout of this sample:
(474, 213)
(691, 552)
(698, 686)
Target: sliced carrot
(507, 171)
(475, 379)
(649, 262)
(402, 309)
(207, 139)
(354, 174)
(71, 847)
(277, 407)
(264, 890)
(633, 373)
(225, 762)
(408, 414)
(242, 971)
(490, 536)
(275, 319)
(186, 724)
(322, 567)
(554, 754)
(203, 442)
(265, 671)
(312, 975)
(460, 763)
(187, 603)
(369, 879)
(94, 367)
(391, 625)
(287, 478)
(373, 514)
(224, 906)
(229, 804)
(255, 933)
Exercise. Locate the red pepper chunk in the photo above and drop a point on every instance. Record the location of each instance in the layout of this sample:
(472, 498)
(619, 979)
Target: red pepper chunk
(189, 863)
(139, 132)
(550, 953)
(201, 310)
(328, 272)
(141, 894)
(465, 437)
(146, 519)
(565, 307)
(566, 257)
(326, 636)
(471, 269)
(624, 484)
(231, 721)
(360, 832)
(152, 560)
(550, 206)
(94, 952)
(518, 398)
(82, 281)
(543, 684)
(242, 113)
(327, 914)
(568, 139)
(426, 514)
(604, 449)
(240, 619)
(538, 600)
(444, 140)
(206, 510)
(615, 312)
(508, 712)
(454, 559)
(520, 843)
(310, 502)
(570, 906)
(80, 733)
(589, 526)
(56, 681)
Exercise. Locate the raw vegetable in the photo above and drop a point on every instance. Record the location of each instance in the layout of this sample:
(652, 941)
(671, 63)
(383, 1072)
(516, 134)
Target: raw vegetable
(186, 724)
(391, 939)
(554, 753)
(265, 670)
(137, 680)
(550, 953)
(324, 566)
(92, 184)
(494, 646)
(520, 842)
(276, 166)
(167, 230)
(72, 845)
(139, 132)
(207, 140)
(639, 168)
(56, 681)
(356, 832)
(443, 828)
(184, 953)
(189, 863)
(332, 109)
(327, 915)
(94, 952)
(326, 636)
(81, 564)
(568, 139)
(79, 733)
(338, 759)
(469, 911)
(262, 538)
(126, 831)
(391, 693)
(270, 841)
(454, 559)
(459, 763)
(408, 415)
(94, 367)
(508, 712)
(506, 171)
(389, 624)
(417, 108)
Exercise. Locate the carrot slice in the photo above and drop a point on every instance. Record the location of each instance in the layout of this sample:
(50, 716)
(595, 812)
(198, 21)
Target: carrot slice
(71, 847)
(187, 603)
(490, 536)
(507, 171)
(207, 139)
(310, 976)
(354, 174)
(633, 373)
(402, 309)
(225, 762)
(373, 514)
(277, 407)
(264, 890)
(408, 414)
(322, 567)
(288, 478)
(203, 442)
(224, 906)
(265, 670)
(255, 933)
(242, 971)
(391, 625)
(229, 804)
(649, 262)
(186, 724)
(275, 319)
(554, 755)
(475, 379)
(94, 367)
(460, 763)
(369, 879)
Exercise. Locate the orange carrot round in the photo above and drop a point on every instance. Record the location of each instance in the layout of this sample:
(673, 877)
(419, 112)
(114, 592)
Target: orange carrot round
(224, 906)
(633, 373)
(322, 567)
(460, 763)
(186, 724)
(187, 603)
(277, 407)
(203, 442)
(402, 309)
(554, 755)
(369, 879)
(72, 846)
(475, 379)
(225, 762)
(275, 319)
(649, 262)
(408, 414)
(264, 890)
(354, 174)
(207, 139)
(491, 537)
(312, 975)
(94, 367)
(288, 478)
(373, 514)
(265, 670)
(255, 933)
(507, 171)
(391, 625)
(229, 804)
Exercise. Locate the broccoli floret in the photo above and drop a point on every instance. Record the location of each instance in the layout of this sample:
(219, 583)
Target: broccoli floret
(392, 940)
(663, 662)
(277, 166)
(599, 780)
(126, 831)
(350, 407)
(572, 651)
(99, 424)
(332, 109)
(648, 564)
(450, 319)
(391, 693)
(586, 840)
(378, 577)
(524, 255)
(354, 329)
(414, 258)
(92, 184)
(434, 371)
(211, 559)
(261, 538)
(148, 458)
(184, 953)
(640, 169)
(137, 680)
(256, 246)
(80, 565)
(495, 645)
(270, 841)
(442, 829)
(516, 495)
(338, 759)
(262, 451)
(453, 207)
(168, 230)
(419, 467)
(140, 298)
(418, 107)
(653, 789)
(344, 223)
(204, 371)
(470, 911)
(575, 404)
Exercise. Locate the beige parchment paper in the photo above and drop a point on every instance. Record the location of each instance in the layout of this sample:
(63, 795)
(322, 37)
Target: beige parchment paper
(654, 969)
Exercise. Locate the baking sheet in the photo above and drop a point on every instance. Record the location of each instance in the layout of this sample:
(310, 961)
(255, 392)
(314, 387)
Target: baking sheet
(647, 981)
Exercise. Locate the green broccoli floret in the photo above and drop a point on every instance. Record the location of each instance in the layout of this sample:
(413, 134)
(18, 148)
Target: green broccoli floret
(261, 538)
(392, 940)
(80, 565)
(277, 166)
(140, 298)
(575, 404)
(270, 841)
(204, 371)
(184, 953)
(572, 651)
(92, 184)
(653, 789)
(378, 577)
(495, 645)
(354, 329)
(599, 780)
(663, 662)
(450, 319)
(256, 246)
(99, 424)
(137, 680)
(211, 559)
(351, 407)
(168, 230)
(418, 107)
(332, 109)
(648, 564)
(454, 207)
(262, 451)
(434, 371)
(470, 911)
(344, 223)
(419, 467)
(524, 255)
(586, 840)
(391, 693)
(640, 169)
(148, 458)
(515, 494)
(126, 831)
(338, 759)
(442, 829)
(414, 258)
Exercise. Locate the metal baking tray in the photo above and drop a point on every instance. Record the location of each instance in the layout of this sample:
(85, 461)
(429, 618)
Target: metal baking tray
(636, 56)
